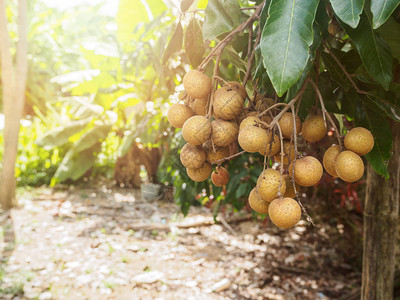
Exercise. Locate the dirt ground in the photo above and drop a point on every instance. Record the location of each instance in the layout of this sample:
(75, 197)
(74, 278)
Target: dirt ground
(79, 244)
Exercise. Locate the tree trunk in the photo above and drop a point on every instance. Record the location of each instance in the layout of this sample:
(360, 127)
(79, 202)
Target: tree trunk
(380, 227)
(14, 84)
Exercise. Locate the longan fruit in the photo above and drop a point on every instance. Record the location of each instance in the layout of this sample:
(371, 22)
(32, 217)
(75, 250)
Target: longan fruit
(349, 166)
(237, 86)
(220, 176)
(256, 203)
(307, 171)
(290, 193)
(219, 153)
(253, 139)
(197, 85)
(200, 106)
(196, 130)
(288, 153)
(249, 121)
(314, 128)
(192, 157)
(359, 140)
(329, 160)
(228, 104)
(286, 124)
(178, 114)
(200, 174)
(284, 212)
(224, 132)
(273, 149)
(268, 184)
(263, 103)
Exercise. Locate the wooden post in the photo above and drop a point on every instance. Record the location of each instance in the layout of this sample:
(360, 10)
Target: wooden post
(380, 227)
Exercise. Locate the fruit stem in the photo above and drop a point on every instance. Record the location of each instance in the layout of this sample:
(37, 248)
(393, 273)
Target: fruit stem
(325, 113)
(219, 161)
(253, 53)
(214, 86)
(282, 154)
(292, 102)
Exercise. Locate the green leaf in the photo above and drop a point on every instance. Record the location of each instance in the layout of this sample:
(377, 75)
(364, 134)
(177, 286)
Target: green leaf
(374, 52)
(232, 57)
(76, 164)
(194, 46)
(126, 143)
(390, 109)
(92, 137)
(157, 7)
(348, 11)
(380, 129)
(174, 44)
(335, 71)
(381, 10)
(390, 33)
(221, 16)
(60, 135)
(285, 41)
(130, 14)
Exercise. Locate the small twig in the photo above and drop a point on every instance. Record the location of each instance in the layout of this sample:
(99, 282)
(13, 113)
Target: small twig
(292, 102)
(251, 58)
(220, 79)
(308, 217)
(214, 86)
(325, 112)
(231, 35)
(227, 158)
(271, 107)
(343, 69)
(226, 225)
(282, 154)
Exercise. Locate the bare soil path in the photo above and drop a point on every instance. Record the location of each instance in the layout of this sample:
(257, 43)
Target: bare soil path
(78, 244)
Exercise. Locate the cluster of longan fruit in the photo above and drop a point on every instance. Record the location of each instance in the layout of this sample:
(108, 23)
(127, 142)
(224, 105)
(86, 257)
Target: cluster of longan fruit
(210, 130)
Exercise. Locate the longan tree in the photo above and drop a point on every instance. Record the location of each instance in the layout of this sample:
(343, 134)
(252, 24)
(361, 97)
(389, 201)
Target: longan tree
(272, 73)
(13, 79)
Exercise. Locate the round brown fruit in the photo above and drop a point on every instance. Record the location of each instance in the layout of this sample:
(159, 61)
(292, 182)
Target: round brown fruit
(273, 149)
(286, 124)
(224, 132)
(359, 140)
(218, 154)
(349, 166)
(314, 128)
(192, 157)
(288, 153)
(237, 86)
(284, 212)
(220, 176)
(329, 160)
(263, 103)
(200, 174)
(307, 171)
(249, 121)
(290, 193)
(253, 139)
(197, 85)
(228, 104)
(268, 184)
(196, 130)
(178, 114)
(200, 106)
(256, 203)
